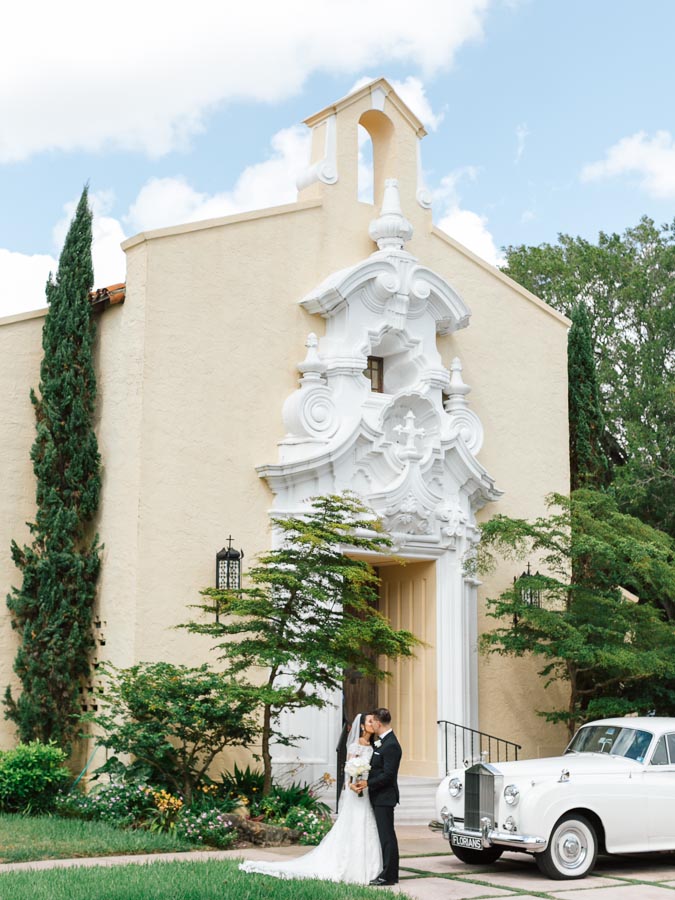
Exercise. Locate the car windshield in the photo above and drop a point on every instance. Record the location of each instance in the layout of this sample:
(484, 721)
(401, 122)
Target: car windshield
(613, 740)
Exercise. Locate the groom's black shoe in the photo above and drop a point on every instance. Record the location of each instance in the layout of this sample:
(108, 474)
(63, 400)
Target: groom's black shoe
(381, 882)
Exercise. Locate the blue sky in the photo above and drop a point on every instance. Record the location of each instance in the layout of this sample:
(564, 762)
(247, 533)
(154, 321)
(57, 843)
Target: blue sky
(543, 116)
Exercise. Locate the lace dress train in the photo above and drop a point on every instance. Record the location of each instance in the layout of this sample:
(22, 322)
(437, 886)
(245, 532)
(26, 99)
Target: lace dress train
(350, 852)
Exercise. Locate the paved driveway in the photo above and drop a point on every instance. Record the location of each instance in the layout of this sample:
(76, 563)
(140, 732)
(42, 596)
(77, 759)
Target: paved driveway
(441, 875)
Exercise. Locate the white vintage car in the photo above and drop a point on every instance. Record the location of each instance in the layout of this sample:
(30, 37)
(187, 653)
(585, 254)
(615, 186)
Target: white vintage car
(612, 791)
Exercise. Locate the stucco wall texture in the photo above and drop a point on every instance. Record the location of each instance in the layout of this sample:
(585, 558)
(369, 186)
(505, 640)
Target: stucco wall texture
(193, 370)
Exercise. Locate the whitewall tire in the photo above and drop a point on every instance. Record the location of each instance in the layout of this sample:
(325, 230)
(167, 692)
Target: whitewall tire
(572, 849)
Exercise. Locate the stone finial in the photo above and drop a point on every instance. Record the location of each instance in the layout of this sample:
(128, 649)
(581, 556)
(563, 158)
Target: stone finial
(457, 389)
(312, 367)
(391, 229)
(464, 420)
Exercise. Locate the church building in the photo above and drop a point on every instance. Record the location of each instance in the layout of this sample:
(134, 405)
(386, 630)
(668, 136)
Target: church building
(264, 358)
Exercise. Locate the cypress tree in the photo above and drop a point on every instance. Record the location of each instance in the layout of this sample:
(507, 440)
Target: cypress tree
(589, 465)
(52, 610)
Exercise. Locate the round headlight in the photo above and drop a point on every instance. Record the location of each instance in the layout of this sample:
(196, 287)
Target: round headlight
(455, 787)
(511, 794)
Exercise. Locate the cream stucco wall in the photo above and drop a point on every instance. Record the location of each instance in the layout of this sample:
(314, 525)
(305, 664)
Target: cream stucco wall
(20, 353)
(194, 369)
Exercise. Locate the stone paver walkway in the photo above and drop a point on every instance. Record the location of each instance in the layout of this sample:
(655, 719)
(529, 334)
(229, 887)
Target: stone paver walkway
(429, 871)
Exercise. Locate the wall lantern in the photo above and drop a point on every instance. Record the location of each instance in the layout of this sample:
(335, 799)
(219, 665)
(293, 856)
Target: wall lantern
(228, 568)
(528, 592)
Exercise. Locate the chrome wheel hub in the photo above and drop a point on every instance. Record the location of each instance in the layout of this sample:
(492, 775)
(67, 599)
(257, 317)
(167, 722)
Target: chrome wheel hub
(571, 848)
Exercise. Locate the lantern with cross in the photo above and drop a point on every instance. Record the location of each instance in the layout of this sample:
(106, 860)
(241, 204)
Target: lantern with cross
(228, 568)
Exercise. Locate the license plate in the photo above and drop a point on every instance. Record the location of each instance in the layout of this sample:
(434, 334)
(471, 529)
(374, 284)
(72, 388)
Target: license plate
(461, 840)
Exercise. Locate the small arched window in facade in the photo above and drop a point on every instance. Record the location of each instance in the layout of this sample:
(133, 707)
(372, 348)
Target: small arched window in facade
(375, 373)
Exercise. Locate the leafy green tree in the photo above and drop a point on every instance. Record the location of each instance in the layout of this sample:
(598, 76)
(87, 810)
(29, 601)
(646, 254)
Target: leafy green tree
(627, 283)
(589, 465)
(615, 655)
(309, 615)
(52, 610)
(173, 720)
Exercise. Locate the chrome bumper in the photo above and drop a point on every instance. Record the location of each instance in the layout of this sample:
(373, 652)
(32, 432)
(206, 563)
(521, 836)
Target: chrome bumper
(490, 837)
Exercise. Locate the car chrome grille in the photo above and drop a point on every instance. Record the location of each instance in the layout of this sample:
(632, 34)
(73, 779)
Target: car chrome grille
(479, 797)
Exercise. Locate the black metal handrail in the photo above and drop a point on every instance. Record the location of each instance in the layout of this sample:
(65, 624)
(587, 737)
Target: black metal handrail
(467, 745)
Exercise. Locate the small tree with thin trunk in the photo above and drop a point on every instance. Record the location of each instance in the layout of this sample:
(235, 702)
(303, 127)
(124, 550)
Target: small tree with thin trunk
(52, 610)
(310, 614)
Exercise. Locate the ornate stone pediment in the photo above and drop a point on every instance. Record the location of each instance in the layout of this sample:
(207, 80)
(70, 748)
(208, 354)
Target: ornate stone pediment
(410, 451)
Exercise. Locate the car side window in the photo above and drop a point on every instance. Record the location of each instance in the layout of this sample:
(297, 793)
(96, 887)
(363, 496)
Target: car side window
(660, 754)
(670, 740)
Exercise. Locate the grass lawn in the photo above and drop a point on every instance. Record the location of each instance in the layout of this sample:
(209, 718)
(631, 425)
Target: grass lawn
(24, 838)
(187, 880)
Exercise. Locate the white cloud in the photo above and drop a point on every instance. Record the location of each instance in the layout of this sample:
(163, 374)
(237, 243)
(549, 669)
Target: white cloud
(522, 133)
(651, 159)
(23, 281)
(170, 201)
(413, 93)
(149, 80)
(470, 229)
(467, 227)
(448, 190)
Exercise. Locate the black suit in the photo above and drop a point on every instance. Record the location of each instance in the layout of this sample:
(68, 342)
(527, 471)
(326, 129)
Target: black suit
(383, 793)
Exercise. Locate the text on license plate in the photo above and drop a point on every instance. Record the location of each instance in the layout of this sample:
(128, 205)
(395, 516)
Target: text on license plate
(461, 840)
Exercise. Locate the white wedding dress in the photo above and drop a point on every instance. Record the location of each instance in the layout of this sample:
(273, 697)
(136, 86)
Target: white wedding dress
(350, 852)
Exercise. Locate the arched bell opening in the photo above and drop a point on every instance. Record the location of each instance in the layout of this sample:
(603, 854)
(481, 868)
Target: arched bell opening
(380, 128)
(366, 181)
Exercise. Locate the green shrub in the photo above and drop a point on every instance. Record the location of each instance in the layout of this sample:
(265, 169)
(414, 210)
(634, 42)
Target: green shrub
(246, 783)
(282, 798)
(213, 796)
(117, 804)
(139, 806)
(313, 826)
(212, 827)
(174, 719)
(31, 776)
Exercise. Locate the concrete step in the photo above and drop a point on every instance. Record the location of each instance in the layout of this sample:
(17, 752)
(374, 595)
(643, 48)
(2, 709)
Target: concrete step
(417, 805)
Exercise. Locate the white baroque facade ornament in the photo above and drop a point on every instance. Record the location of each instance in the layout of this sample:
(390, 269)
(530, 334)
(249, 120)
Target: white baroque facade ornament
(310, 412)
(410, 449)
(464, 420)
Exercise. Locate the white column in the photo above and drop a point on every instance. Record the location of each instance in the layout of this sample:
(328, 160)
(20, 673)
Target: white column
(456, 630)
(471, 637)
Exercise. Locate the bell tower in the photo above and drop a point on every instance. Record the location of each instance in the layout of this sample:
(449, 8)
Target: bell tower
(396, 134)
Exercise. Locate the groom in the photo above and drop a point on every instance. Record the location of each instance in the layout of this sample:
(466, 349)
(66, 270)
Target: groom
(383, 792)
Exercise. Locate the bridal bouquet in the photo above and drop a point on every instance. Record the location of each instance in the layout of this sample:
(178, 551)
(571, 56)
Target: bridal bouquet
(357, 769)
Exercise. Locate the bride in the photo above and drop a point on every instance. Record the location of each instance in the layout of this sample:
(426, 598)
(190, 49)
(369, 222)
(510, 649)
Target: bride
(350, 852)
